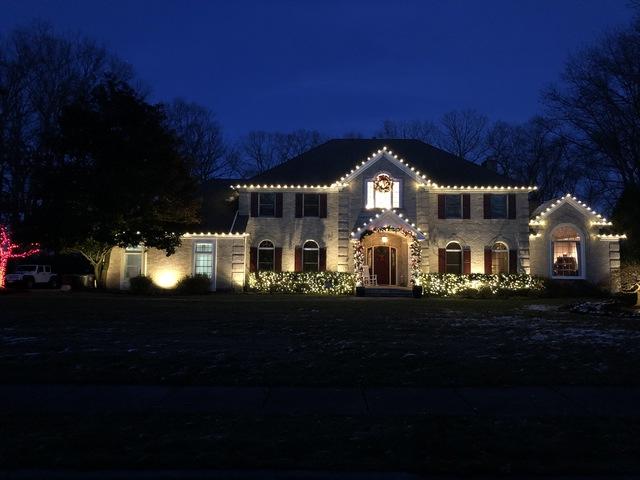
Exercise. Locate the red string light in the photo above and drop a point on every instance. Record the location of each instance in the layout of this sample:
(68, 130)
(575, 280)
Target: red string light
(9, 250)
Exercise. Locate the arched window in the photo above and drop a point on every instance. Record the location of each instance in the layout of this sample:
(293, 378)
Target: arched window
(265, 255)
(566, 251)
(453, 255)
(310, 256)
(499, 258)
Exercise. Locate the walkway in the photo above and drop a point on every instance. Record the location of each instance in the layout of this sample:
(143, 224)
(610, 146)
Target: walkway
(391, 401)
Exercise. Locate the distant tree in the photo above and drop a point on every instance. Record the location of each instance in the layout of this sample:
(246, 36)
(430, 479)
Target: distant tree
(597, 105)
(418, 130)
(40, 73)
(532, 154)
(462, 133)
(122, 182)
(260, 150)
(201, 142)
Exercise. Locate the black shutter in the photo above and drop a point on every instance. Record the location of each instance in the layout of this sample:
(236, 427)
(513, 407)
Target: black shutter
(486, 200)
(513, 261)
(442, 260)
(298, 262)
(512, 206)
(323, 205)
(253, 259)
(466, 260)
(487, 260)
(299, 205)
(441, 206)
(279, 204)
(254, 204)
(322, 259)
(277, 259)
(466, 205)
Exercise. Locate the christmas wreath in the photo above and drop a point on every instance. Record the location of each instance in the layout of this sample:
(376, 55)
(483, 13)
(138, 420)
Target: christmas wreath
(383, 183)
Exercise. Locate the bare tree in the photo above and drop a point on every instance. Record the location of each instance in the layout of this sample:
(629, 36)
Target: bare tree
(597, 104)
(463, 133)
(200, 139)
(260, 150)
(416, 129)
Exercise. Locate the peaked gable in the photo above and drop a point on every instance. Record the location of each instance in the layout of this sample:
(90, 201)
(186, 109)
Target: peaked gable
(389, 218)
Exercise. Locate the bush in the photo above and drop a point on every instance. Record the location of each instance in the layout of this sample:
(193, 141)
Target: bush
(573, 288)
(479, 285)
(310, 283)
(194, 285)
(141, 285)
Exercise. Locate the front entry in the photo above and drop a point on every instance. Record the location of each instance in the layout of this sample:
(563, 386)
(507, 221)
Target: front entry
(384, 264)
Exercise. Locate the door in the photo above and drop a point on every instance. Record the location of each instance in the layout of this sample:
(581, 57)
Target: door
(384, 265)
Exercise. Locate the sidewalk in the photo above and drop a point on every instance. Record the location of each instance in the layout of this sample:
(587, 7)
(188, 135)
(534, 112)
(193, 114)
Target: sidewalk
(384, 401)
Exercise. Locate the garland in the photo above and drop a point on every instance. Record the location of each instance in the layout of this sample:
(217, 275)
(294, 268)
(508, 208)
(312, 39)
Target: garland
(415, 260)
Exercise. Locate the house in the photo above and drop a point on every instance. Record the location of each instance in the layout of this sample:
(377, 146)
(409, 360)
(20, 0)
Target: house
(389, 208)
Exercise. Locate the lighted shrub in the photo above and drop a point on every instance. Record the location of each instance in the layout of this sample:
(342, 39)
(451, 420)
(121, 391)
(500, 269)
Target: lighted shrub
(141, 285)
(309, 283)
(194, 285)
(479, 285)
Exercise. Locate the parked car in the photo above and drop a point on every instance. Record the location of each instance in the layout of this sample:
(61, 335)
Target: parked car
(32, 275)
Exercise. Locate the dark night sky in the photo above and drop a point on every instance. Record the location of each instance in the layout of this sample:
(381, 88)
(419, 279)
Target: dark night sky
(337, 66)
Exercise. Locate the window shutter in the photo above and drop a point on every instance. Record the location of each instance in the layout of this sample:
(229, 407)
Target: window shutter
(512, 206)
(466, 205)
(487, 259)
(323, 205)
(441, 206)
(279, 204)
(322, 259)
(486, 200)
(466, 260)
(253, 259)
(298, 265)
(513, 261)
(277, 259)
(254, 204)
(442, 259)
(299, 205)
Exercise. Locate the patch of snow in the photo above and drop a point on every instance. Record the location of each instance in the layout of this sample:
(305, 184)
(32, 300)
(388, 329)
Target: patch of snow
(540, 308)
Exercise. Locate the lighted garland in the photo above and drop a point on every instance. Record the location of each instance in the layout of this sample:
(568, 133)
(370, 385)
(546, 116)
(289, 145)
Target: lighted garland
(309, 283)
(450, 284)
(415, 260)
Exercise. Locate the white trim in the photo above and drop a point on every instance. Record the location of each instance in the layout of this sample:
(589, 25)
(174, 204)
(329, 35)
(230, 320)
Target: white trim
(387, 154)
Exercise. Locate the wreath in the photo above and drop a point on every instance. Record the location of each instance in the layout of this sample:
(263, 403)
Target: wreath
(383, 183)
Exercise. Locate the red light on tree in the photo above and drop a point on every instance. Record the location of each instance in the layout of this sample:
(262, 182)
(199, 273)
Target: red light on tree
(10, 250)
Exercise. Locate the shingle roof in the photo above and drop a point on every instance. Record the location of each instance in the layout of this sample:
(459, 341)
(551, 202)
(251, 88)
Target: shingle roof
(328, 162)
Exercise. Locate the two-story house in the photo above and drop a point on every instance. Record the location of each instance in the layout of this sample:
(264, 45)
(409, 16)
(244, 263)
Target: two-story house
(389, 208)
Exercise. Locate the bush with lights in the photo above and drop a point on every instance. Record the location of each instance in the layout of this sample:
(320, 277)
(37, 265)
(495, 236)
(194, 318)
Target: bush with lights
(310, 283)
(479, 285)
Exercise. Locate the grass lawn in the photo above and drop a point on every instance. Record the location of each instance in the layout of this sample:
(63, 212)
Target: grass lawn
(269, 340)
(309, 341)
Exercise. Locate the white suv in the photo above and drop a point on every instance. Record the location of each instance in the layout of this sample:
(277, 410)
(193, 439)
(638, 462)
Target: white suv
(31, 275)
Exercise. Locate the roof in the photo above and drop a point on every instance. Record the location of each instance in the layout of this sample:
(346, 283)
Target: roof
(326, 163)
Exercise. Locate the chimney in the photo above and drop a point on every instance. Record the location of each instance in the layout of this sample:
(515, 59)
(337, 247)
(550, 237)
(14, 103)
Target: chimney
(491, 163)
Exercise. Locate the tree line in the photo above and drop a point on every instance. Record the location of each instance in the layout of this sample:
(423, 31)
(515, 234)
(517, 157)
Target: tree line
(88, 162)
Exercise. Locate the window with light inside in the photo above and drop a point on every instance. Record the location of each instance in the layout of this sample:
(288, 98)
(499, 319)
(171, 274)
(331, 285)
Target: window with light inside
(499, 258)
(204, 259)
(383, 192)
(566, 251)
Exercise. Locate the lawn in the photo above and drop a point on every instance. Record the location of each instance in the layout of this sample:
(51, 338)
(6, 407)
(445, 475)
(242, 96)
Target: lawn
(57, 337)
(312, 341)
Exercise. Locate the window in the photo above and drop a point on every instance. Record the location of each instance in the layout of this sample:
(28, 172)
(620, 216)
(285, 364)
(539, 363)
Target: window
(310, 256)
(266, 204)
(311, 204)
(498, 206)
(265, 255)
(499, 258)
(453, 206)
(132, 262)
(383, 192)
(453, 258)
(566, 251)
(204, 259)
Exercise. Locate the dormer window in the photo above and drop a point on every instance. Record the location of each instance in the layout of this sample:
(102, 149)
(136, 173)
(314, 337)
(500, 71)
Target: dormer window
(383, 192)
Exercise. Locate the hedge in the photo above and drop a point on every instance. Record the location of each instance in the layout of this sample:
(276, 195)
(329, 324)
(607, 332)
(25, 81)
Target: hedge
(478, 284)
(311, 283)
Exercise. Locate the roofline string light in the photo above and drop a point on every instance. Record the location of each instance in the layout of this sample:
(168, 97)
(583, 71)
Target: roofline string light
(215, 234)
(378, 215)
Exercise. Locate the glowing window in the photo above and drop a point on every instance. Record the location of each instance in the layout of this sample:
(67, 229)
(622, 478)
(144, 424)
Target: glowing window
(499, 258)
(204, 259)
(566, 251)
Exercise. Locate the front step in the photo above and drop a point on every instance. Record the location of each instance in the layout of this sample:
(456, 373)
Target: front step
(387, 292)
